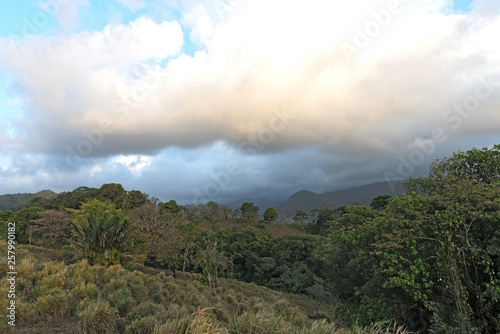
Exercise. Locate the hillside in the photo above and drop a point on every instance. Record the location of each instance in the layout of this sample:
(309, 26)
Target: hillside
(306, 200)
(13, 201)
(60, 295)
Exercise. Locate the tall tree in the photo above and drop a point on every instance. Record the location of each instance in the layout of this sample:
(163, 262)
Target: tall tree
(270, 215)
(434, 252)
(26, 216)
(54, 228)
(134, 199)
(214, 262)
(226, 211)
(380, 202)
(112, 193)
(300, 216)
(214, 210)
(170, 208)
(150, 221)
(249, 211)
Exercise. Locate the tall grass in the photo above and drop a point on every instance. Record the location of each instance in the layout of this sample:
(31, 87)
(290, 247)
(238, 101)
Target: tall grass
(103, 300)
(97, 317)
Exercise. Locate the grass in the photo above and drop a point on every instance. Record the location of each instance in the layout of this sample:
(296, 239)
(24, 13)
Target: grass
(58, 295)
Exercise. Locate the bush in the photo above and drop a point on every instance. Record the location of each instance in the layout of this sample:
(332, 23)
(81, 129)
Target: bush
(83, 291)
(145, 309)
(144, 325)
(97, 317)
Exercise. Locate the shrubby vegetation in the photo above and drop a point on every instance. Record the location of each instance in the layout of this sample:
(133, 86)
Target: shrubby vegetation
(99, 299)
(427, 260)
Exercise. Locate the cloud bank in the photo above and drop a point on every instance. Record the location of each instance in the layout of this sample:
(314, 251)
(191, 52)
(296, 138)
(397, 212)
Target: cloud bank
(349, 82)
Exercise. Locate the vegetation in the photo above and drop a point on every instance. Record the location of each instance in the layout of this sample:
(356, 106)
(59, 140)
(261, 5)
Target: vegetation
(99, 261)
(101, 231)
(14, 201)
(58, 297)
(270, 215)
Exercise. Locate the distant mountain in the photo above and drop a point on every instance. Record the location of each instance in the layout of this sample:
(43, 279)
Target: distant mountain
(13, 201)
(307, 200)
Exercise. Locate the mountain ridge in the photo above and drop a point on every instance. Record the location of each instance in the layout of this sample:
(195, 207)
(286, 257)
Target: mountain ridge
(306, 200)
(13, 201)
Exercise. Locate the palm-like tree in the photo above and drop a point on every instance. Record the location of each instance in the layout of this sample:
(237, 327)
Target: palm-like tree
(99, 228)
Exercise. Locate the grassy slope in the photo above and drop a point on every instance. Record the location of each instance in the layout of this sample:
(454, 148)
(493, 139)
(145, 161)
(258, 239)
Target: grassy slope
(56, 294)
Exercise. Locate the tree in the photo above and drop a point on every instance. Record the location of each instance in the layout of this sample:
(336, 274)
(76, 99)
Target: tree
(54, 228)
(101, 231)
(249, 211)
(300, 216)
(477, 165)
(434, 252)
(134, 199)
(213, 210)
(25, 217)
(270, 215)
(171, 208)
(6, 217)
(177, 247)
(380, 202)
(323, 220)
(169, 249)
(214, 262)
(226, 211)
(112, 193)
(150, 221)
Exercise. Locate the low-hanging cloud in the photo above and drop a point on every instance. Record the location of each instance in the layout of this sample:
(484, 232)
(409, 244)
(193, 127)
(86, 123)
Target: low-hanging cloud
(358, 81)
(267, 56)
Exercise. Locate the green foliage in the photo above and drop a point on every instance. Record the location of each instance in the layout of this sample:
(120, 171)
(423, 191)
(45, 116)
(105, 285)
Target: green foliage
(433, 253)
(112, 193)
(249, 211)
(101, 231)
(24, 223)
(477, 165)
(134, 199)
(270, 215)
(323, 220)
(6, 216)
(429, 259)
(380, 202)
(17, 201)
(300, 216)
(295, 278)
(171, 207)
(177, 248)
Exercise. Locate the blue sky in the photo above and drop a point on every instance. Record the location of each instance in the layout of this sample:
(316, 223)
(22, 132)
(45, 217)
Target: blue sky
(215, 100)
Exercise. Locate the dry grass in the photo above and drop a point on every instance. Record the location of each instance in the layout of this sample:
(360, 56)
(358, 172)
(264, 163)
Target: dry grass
(55, 297)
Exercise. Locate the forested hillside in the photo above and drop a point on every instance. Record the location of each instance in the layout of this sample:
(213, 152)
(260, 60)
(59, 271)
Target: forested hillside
(14, 201)
(308, 201)
(426, 260)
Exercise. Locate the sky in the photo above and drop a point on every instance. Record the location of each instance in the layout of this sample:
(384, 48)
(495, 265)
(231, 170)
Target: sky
(216, 100)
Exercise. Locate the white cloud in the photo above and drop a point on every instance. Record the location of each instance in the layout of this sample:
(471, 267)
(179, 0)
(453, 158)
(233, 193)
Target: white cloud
(201, 24)
(133, 5)
(134, 163)
(97, 168)
(263, 57)
(65, 11)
